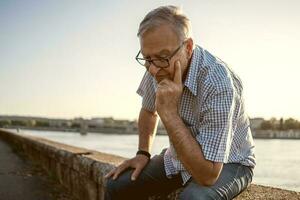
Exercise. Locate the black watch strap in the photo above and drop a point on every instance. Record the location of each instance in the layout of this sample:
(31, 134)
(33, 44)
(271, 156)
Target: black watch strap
(145, 153)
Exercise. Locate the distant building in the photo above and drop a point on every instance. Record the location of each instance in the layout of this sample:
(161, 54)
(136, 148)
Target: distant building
(97, 121)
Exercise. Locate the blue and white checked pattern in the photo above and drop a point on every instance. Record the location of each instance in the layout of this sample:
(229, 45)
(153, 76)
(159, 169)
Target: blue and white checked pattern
(212, 106)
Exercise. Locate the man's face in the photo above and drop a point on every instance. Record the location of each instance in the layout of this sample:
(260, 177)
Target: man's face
(161, 42)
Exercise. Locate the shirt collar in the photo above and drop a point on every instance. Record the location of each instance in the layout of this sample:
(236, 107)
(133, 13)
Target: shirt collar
(191, 78)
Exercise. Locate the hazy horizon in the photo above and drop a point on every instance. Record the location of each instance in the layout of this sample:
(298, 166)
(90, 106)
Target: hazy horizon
(66, 59)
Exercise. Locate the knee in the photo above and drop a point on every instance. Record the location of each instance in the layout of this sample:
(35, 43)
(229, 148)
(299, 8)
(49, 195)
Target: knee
(113, 188)
(116, 186)
(120, 187)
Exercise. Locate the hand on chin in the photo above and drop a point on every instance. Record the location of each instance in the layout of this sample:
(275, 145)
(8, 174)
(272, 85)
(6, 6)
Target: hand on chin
(160, 78)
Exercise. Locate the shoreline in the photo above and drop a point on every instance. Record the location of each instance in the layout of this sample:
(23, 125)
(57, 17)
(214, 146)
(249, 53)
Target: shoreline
(117, 131)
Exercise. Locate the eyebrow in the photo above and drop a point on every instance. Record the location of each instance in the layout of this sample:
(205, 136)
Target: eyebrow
(164, 51)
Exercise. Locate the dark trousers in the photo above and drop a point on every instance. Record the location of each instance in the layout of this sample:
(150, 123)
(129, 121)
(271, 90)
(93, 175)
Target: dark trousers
(233, 179)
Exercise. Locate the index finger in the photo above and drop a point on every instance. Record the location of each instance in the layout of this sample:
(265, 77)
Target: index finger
(110, 173)
(119, 170)
(177, 76)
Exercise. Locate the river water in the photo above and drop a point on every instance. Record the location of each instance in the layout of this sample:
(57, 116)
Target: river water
(278, 160)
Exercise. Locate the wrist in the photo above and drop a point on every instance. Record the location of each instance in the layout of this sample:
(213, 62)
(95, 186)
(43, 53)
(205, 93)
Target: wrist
(145, 153)
(172, 123)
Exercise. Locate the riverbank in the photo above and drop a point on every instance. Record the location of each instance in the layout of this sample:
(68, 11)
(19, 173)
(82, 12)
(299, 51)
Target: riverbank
(276, 134)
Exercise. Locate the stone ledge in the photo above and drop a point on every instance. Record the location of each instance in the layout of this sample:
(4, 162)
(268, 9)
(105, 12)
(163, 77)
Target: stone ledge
(82, 171)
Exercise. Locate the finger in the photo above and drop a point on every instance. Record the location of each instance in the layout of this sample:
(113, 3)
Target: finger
(136, 173)
(177, 76)
(119, 170)
(110, 173)
(164, 82)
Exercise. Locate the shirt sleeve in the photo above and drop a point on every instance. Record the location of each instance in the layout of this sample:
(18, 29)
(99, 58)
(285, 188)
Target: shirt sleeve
(215, 131)
(147, 90)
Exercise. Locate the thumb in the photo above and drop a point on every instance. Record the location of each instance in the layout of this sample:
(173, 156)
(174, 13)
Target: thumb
(177, 75)
(136, 173)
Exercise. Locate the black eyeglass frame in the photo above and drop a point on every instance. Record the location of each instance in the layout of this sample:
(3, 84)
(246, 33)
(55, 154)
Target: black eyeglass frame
(149, 61)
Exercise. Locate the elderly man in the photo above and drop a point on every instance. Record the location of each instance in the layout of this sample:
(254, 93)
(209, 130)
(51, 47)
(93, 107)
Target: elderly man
(199, 99)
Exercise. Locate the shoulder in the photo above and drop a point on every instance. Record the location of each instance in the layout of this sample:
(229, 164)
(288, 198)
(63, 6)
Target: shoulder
(218, 74)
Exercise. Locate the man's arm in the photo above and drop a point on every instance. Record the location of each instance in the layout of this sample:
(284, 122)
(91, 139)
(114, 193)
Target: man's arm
(147, 125)
(168, 95)
(147, 129)
(189, 152)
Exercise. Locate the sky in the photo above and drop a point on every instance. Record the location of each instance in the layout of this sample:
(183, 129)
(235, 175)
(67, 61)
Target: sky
(71, 58)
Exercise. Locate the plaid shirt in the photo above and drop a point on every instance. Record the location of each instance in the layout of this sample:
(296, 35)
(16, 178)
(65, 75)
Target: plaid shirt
(212, 107)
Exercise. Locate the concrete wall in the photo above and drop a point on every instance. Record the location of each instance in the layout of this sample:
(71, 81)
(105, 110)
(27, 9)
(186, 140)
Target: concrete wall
(79, 170)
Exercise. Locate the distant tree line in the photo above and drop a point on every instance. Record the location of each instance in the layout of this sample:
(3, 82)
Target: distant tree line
(33, 123)
(280, 124)
(25, 123)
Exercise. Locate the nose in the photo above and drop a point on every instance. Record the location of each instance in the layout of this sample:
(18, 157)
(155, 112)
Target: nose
(153, 69)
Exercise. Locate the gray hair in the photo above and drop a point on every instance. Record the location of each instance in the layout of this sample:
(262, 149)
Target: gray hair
(171, 15)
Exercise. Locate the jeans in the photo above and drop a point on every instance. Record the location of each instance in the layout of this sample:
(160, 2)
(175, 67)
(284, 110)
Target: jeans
(233, 179)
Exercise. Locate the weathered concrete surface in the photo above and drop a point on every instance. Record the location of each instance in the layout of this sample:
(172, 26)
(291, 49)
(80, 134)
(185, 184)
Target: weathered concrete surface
(20, 179)
(79, 170)
(82, 171)
(257, 192)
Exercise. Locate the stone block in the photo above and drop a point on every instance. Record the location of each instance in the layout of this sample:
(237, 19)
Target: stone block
(66, 176)
(100, 170)
(76, 162)
(74, 180)
(65, 157)
(52, 166)
(58, 173)
(101, 192)
(51, 151)
(90, 191)
(45, 162)
(86, 166)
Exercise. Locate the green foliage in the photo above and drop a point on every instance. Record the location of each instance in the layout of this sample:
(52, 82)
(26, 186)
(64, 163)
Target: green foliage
(291, 124)
(266, 125)
(42, 124)
(18, 123)
(4, 123)
(281, 124)
(75, 125)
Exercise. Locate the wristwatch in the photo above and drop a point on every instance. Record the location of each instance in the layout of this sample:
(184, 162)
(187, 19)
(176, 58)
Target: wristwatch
(145, 153)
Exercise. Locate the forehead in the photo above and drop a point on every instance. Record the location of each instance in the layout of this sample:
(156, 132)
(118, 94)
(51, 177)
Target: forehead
(157, 40)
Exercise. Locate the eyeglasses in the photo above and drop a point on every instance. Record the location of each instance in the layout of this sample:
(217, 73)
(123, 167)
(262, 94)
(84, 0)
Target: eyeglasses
(158, 62)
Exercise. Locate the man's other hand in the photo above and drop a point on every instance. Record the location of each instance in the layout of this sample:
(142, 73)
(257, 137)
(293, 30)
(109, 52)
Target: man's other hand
(137, 163)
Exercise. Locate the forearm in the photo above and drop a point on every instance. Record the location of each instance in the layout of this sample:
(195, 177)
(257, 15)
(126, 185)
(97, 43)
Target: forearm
(190, 153)
(147, 125)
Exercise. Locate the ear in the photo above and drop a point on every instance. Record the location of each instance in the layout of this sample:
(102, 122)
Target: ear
(189, 47)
